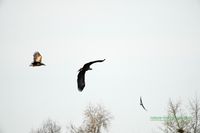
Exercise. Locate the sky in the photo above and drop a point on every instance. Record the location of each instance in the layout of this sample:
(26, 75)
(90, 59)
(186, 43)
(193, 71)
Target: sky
(151, 49)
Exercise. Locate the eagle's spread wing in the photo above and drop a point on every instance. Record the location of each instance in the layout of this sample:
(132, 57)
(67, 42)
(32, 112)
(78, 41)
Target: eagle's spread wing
(140, 100)
(37, 57)
(142, 104)
(90, 63)
(81, 80)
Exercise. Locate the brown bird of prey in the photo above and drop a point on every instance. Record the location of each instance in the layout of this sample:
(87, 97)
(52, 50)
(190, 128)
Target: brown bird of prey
(142, 104)
(81, 74)
(37, 60)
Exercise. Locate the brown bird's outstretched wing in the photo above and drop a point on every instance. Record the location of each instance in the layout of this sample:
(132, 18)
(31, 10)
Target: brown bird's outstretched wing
(142, 104)
(37, 57)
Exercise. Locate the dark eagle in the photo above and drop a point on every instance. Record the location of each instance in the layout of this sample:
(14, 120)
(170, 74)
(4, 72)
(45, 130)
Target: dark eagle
(37, 60)
(81, 74)
(142, 104)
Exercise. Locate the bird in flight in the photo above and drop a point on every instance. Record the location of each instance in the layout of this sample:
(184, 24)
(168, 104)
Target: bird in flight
(37, 60)
(141, 103)
(81, 74)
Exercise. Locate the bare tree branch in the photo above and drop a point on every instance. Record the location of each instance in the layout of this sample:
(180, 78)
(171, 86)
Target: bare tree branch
(195, 112)
(48, 126)
(179, 122)
(176, 121)
(96, 119)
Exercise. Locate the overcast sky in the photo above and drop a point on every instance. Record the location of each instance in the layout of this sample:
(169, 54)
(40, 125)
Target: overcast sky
(151, 47)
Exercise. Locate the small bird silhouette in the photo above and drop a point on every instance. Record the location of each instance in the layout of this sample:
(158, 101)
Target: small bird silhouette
(81, 74)
(37, 60)
(141, 103)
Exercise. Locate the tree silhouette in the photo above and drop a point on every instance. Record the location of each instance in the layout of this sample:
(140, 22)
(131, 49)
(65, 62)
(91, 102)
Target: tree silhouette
(179, 122)
(195, 113)
(48, 126)
(96, 118)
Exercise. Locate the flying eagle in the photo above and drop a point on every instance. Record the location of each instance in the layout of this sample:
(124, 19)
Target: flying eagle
(142, 104)
(81, 74)
(37, 60)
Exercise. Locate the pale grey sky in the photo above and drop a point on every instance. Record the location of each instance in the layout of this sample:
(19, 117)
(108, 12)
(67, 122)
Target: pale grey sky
(151, 49)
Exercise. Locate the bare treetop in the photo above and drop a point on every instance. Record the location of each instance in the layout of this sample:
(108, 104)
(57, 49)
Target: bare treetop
(96, 118)
(48, 126)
